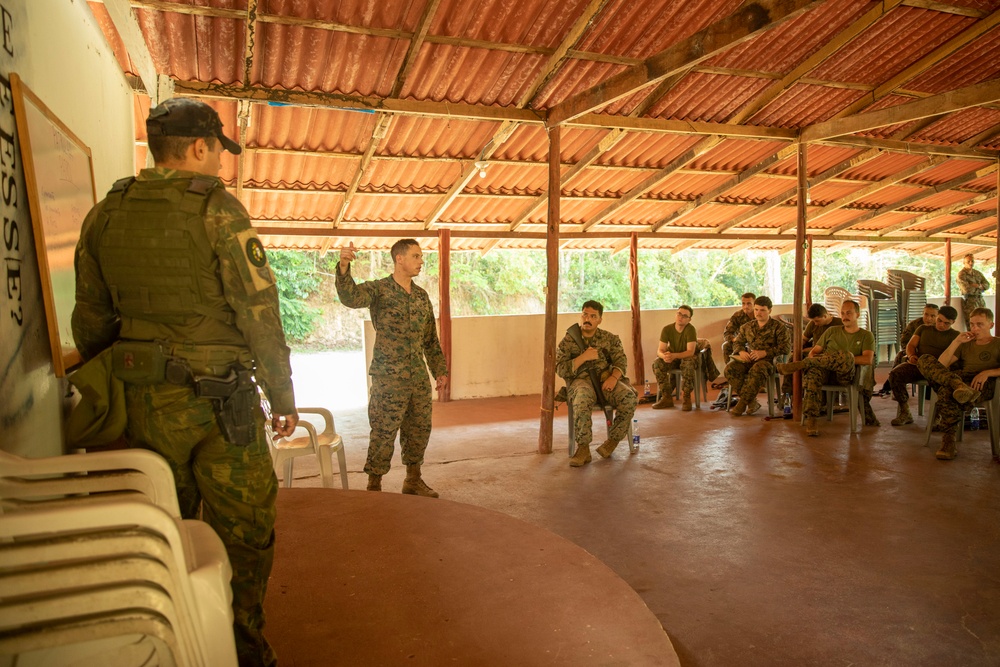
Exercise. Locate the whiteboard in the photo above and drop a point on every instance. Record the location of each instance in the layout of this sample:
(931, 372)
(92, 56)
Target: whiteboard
(59, 175)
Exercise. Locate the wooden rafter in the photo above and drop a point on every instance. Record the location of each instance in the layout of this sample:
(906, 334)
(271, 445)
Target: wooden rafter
(984, 229)
(959, 223)
(931, 215)
(749, 20)
(683, 245)
(378, 133)
(863, 192)
(135, 44)
(416, 42)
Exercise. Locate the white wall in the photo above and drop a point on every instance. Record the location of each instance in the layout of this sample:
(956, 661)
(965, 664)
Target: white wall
(60, 53)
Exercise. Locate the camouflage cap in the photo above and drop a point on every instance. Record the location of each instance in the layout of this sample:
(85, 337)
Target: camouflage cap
(183, 117)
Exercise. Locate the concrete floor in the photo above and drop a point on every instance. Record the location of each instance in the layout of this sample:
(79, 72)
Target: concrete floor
(751, 543)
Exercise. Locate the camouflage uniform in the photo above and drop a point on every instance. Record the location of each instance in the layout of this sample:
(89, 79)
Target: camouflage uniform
(171, 257)
(738, 319)
(580, 391)
(811, 333)
(905, 373)
(972, 283)
(747, 378)
(688, 366)
(972, 360)
(401, 391)
(835, 363)
(703, 351)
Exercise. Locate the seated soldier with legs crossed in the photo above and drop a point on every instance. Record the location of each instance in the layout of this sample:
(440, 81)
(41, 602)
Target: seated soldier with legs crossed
(756, 345)
(932, 340)
(678, 342)
(978, 353)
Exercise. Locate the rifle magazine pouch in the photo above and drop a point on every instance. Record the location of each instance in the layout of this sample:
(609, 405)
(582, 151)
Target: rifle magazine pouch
(138, 362)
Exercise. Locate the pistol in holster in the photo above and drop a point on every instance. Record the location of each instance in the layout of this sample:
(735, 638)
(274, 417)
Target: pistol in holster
(234, 399)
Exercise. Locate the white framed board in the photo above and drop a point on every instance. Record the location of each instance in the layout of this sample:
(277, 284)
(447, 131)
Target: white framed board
(59, 175)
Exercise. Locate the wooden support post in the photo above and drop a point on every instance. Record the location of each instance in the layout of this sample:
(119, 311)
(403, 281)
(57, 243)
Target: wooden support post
(996, 263)
(551, 297)
(444, 301)
(947, 272)
(800, 247)
(809, 271)
(633, 275)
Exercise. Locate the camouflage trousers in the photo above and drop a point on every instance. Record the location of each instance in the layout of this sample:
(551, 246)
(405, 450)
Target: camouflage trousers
(398, 406)
(969, 304)
(900, 379)
(827, 368)
(944, 382)
(581, 394)
(748, 378)
(709, 369)
(665, 381)
(234, 486)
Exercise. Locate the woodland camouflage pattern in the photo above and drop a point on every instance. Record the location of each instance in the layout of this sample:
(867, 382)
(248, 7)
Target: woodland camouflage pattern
(747, 378)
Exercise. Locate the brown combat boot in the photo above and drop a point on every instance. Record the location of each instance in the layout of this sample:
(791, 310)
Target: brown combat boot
(582, 456)
(965, 394)
(789, 368)
(811, 429)
(374, 482)
(903, 416)
(949, 449)
(607, 448)
(666, 402)
(739, 408)
(686, 405)
(414, 485)
(753, 407)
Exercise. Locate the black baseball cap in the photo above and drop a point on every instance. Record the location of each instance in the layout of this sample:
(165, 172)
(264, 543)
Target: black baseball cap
(183, 117)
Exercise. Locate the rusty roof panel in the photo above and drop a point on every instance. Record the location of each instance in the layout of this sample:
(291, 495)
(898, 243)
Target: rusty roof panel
(364, 13)
(835, 218)
(469, 209)
(880, 222)
(604, 182)
(640, 212)
(759, 190)
(436, 137)
(409, 176)
(287, 170)
(803, 105)
(530, 143)
(830, 191)
(398, 208)
(511, 179)
(113, 37)
(959, 127)
(310, 129)
(883, 166)
(888, 196)
(940, 199)
(903, 36)
(975, 62)
(444, 72)
(819, 158)
(648, 149)
(194, 48)
(688, 185)
(986, 183)
(947, 171)
(305, 206)
(706, 97)
(737, 154)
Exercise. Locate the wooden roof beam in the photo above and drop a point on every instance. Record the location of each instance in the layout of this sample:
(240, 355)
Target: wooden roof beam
(959, 223)
(931, 215)
(863, 192)
(748, 21)
(135, 44)
(413, 50)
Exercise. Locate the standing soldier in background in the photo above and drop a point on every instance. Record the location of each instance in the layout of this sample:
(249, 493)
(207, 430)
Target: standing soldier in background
(759, 341)
(973, 284)
(405, 334)
(738, 319)
(173, 282)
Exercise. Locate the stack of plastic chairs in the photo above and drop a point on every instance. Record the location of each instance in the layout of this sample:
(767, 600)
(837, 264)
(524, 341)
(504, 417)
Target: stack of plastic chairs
(834, 298)
(911, 294)
(883, 313)
(96, 566)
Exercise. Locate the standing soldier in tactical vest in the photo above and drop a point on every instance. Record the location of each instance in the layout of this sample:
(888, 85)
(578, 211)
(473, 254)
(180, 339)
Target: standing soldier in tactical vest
(405, 335)
(171, 276)
(972, 283)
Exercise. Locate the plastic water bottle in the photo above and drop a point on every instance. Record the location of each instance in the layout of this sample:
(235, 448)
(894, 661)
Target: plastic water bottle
(635, 433)
(646, 391)
(787, 412)
(974, 420)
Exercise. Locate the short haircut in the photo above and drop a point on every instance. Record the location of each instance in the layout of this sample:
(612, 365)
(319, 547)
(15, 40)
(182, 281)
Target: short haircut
(594, 305)
(857, 306)
(748, 295)
(173, 149)
(984, 312)
(686, 307)
(932, 306)
(763, 301)
(949, 313)
(400, 247)
(816, 310)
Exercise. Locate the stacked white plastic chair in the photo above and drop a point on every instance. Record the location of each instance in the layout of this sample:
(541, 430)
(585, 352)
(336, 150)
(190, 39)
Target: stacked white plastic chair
(308, 440)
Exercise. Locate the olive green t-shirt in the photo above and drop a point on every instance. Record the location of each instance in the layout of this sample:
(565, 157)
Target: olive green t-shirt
(835, 339)
(977, 358)
(678, 340)
(812, 332)
(933, 341)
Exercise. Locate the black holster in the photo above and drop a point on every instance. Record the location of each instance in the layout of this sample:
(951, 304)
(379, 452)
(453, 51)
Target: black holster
(235, 400)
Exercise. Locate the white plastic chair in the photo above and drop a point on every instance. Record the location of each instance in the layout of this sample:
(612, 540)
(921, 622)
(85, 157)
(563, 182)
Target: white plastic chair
(61, 561)
(571, 429)
(992, 407)
(855, 399)
(306, 440)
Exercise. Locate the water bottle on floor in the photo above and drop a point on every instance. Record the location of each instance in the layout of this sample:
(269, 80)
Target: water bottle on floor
(787, 412)
(646, 391)
(635, 434)
(974, 420)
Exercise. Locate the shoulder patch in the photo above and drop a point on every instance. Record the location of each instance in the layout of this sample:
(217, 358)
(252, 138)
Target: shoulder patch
(256, 273)
(255, 252)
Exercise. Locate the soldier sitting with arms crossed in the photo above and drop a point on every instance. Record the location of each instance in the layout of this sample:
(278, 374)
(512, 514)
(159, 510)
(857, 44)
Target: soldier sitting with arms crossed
(932, 340)
(678, 343)
(978, 355)
(756, 345)
(835, 357)
(602, 351)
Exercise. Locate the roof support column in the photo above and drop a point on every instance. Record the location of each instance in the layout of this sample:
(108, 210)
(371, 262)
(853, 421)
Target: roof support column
(551, 296)
(947, 272)
(809, 271)
(996, 271)
(444, 304)
(800, 248)
(633, 276)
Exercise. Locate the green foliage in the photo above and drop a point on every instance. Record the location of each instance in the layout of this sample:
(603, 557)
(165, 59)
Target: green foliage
(297, 280)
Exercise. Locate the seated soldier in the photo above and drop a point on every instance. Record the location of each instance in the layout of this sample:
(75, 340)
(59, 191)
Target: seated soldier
(832, 360)
(738, 319)
(925, 340)
(819, 321)
(756, 345)
(927, 319)
(676, 350)
(601, 351)
(977, 352)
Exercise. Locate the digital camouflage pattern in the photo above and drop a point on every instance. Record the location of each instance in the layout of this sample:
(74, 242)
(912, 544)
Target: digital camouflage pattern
(972, 284)
(747, 378)
(406, 344)
(736, 322)
(900, 379)
(234, 486)
(581, 393)
(665, 381)
(944, 383)
(831, 367)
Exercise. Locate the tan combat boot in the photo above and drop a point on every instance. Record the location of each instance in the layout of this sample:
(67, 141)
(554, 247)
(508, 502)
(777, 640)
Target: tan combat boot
(753, 407)
(811, 429)
(582, 456)
(739, 408)
(948, 450)
(686, 406)
(789, 368)
(666, 402)
(965, 394)
(903, 416)
(374, 482)
(607, 448)
(414, 485)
